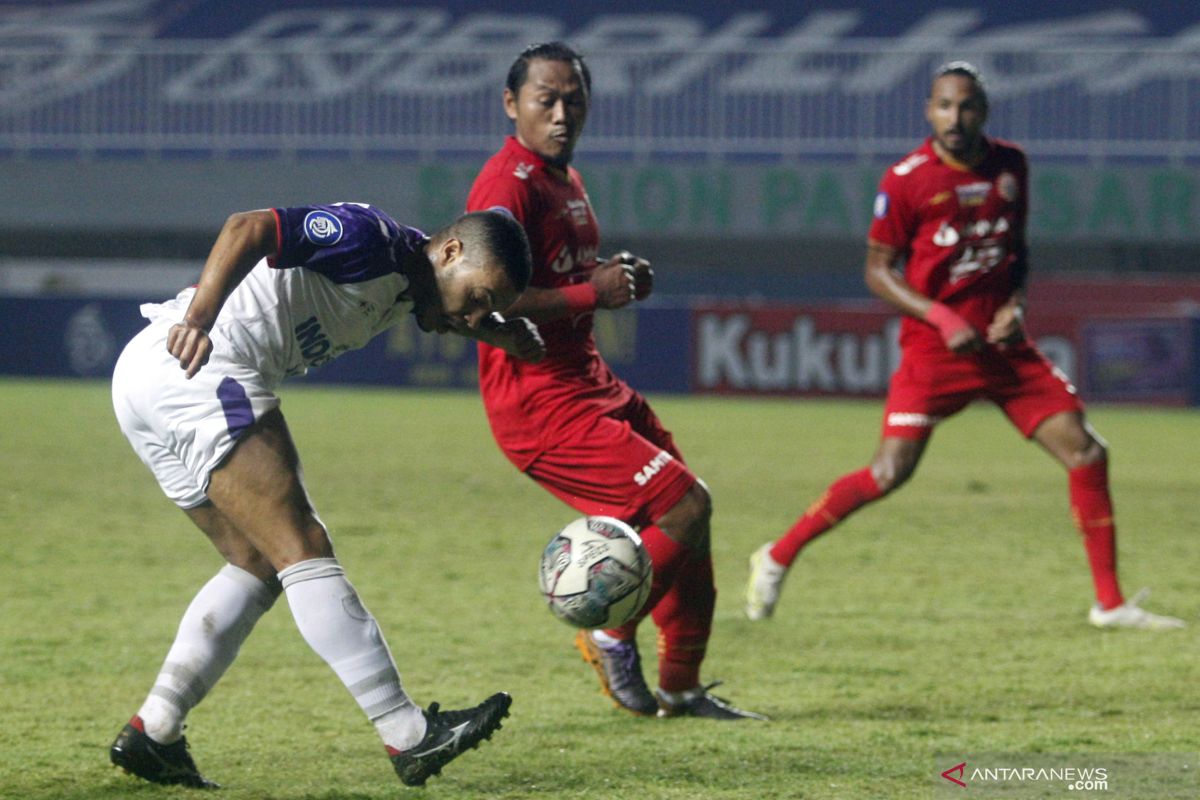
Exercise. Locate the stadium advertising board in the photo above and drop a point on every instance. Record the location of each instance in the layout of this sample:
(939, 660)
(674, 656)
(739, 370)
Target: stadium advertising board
(1075, 78)
(730, 348)
(816, 350)
(81, 337)
(1151, 204)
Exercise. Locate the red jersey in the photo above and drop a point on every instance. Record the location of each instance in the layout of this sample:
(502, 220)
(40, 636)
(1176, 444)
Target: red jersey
(961, 230)
(529, 404)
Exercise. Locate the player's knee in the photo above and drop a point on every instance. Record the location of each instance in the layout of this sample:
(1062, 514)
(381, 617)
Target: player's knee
(892, 472)
(1092, 452)
(688, 520)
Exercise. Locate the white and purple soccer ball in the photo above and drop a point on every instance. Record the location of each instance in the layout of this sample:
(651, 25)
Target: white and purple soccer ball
(595, 573)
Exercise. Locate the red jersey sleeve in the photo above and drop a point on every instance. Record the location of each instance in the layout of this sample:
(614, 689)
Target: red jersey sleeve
(506, 190)
(895, 219)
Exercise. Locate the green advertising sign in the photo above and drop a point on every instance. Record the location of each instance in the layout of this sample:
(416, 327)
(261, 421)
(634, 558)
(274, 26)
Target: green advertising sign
(1076, 202)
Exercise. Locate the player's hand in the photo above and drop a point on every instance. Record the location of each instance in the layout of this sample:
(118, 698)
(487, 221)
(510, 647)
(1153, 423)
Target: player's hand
(518, 337)
(191, 345)
(1007, 326)
(643, 275)
(956, 332)
(622, 279)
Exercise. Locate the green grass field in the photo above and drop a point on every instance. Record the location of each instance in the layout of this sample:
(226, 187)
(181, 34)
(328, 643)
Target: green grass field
(947, 620)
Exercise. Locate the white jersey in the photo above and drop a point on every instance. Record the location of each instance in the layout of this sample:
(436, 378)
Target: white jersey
(333, 285)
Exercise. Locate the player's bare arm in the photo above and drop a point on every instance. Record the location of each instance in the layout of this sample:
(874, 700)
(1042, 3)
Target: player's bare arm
(886, 282)
(615, 283)
(1008, 324)
(246, 238)
(517, 336)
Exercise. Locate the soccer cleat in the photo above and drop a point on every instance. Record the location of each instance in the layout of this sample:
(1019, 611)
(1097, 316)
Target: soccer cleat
(766, 579)
(699, 703)
(448, 734)
(1130, 614)
(620, 671)
(168, 764)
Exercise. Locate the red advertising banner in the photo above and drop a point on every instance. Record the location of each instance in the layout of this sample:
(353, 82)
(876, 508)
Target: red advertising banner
(852, 350)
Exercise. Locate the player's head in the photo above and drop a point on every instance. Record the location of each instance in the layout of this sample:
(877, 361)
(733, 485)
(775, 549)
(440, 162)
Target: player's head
(957, 108)
(481, 263)
(546, 95)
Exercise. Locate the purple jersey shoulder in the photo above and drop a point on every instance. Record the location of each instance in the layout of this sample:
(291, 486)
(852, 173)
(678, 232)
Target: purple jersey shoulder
(345, 242)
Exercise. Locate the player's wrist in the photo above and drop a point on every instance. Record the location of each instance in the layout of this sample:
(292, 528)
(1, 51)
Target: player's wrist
(580, 298)
(944, 319)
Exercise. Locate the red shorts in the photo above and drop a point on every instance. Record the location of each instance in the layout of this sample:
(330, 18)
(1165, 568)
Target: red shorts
(624, 465)
(930, 386)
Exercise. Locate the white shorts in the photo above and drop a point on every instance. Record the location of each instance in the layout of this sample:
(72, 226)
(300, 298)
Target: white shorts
(183, 429)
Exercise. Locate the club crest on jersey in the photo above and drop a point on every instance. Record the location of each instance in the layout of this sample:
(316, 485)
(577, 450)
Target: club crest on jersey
(973, 194)
(322, 228)
(881, 205)
(1007, 187)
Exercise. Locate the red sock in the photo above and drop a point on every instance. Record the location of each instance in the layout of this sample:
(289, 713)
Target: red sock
(684, 619)
(847, 494)
(1091, 505)
(666, 556)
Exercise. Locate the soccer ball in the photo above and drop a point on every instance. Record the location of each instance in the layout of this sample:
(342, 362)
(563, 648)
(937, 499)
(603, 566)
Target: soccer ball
(595, 573)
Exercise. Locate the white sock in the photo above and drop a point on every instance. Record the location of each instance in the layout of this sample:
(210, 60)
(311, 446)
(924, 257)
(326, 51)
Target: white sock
(603, 640)
(334, 623)
(219, 619)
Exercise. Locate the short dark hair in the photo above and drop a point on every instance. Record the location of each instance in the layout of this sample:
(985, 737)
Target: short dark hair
(518, 73)
(497, 232)
(967, 70)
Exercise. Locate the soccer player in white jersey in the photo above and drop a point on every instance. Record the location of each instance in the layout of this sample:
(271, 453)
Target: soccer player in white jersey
(283, 290)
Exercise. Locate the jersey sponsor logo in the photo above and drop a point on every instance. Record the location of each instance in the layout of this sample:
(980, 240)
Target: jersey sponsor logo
(881, 205)
(909, 164)
(946, 236)
(523, 171)
(312, 340)
(655, 465)
(973, 194)
(986, 246)
(1007, 186)
(906, 419)
(322, 228)
(566, 261)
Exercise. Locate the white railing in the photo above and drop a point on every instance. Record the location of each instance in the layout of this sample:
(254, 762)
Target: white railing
(851, 99)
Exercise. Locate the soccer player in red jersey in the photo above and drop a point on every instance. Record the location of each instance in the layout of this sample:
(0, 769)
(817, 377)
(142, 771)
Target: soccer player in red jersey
(568, 422)
(953, 211)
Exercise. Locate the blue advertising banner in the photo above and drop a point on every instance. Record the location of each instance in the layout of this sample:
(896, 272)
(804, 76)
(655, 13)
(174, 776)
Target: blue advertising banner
(82, 337)
(1139, 360)
(650, 347)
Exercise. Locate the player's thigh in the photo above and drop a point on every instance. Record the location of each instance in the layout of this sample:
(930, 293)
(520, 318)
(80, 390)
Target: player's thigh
(645, 422)
(1033, 391)
(198, 420)
(260, 489)
(926, 389)
(611, 469)
(139, 395)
